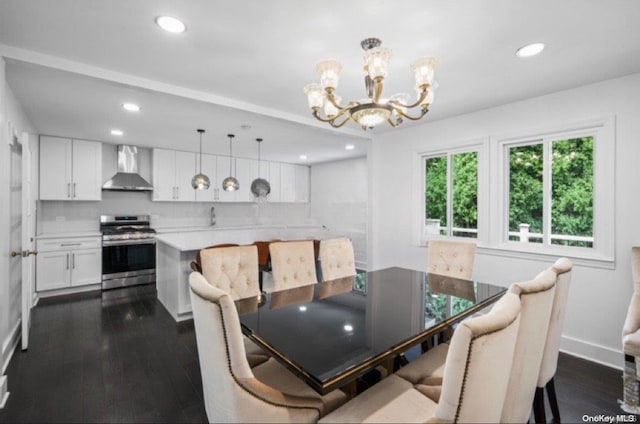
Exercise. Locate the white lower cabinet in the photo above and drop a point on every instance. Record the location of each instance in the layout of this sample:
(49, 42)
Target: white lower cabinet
(68, 262)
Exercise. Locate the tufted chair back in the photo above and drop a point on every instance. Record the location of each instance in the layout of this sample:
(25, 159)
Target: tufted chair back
(451, 258)
(231, 391)
(562, 267)
(536, 297)
(336, 259)
(478, 365)
(292, 264)
(197, 264)
(233, 270)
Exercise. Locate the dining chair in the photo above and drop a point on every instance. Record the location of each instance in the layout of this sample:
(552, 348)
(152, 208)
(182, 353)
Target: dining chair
(196, 265)
(631, 341)
(233, 391)
(234, 270)
(537, 301)
(451, 258)
(337, 259)
(537, 298)
(562, 267)
(292, 264)
(475, 378)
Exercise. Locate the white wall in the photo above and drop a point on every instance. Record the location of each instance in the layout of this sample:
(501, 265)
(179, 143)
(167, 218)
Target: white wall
(599, 297)
(11, 115)
(61, 216)
(339, 201)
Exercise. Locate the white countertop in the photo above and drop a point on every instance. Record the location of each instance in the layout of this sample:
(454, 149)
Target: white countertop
(185, 239)
(46, 236)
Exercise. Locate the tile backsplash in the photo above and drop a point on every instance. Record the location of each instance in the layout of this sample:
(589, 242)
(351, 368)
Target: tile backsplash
(64, 216)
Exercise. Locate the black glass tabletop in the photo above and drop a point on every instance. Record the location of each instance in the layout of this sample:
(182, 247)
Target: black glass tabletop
(333, 332)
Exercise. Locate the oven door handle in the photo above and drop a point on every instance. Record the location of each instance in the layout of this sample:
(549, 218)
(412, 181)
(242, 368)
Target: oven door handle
(107, 243)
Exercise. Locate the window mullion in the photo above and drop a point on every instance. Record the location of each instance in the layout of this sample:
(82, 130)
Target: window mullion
(546, 192)
(449, 194)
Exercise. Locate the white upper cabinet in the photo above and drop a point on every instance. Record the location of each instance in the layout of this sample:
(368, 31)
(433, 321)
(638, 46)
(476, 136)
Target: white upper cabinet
(247, 171)
(274, 181)
(287, 182)
(70, 169)
(302, 184)
(172, 174)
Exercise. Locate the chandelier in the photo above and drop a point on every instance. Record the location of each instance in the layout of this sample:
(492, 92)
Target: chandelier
(374, 109)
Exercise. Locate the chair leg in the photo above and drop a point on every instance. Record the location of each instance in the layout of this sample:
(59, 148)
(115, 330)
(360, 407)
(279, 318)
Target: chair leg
(538, 406)
(553, 400)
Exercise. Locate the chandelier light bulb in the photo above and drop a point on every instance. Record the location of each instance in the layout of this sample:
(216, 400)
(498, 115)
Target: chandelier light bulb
(377, 60)
(315, 95)
(423, 70)
(329, 71)
(329, 109)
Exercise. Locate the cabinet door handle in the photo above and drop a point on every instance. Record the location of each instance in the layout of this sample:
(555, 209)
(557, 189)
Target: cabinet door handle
(68, 189)
(177, 193)
(74, 189)
(67, 261)
(73, 261)
(70, 244)
(174, 193)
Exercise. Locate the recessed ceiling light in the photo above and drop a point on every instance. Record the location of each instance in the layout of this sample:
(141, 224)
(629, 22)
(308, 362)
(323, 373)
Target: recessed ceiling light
(349, 147)
(348, 327)
(170, 24)
(131, 107)
(302, 308)
(303, 157)
(117, 132)
(530, 50)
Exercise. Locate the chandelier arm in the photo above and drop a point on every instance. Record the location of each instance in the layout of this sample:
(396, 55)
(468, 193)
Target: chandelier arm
(413, 118)
(423, 95)
(341, 124)
(316, 115)
(332, 100)
(391, 123)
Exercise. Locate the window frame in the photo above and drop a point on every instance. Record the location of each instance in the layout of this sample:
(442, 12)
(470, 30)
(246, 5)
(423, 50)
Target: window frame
(603, 133)
(476, 147)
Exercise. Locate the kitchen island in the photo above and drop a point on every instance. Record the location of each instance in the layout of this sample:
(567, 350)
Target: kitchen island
(176, 248)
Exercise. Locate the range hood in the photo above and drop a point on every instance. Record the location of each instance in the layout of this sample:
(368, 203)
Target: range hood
(127, 177)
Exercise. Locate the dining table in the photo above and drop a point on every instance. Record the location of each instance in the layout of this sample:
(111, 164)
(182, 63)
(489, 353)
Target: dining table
(333, 332)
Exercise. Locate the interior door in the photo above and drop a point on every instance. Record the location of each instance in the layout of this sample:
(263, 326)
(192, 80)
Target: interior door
(15, 227)
(28, 229)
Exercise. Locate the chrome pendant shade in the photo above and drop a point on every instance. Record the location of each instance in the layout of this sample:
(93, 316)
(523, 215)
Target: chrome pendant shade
(200, 181)
(230, 183)
(374, 109)
(260, 187)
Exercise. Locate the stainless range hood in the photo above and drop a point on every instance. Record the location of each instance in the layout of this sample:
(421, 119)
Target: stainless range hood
(127, 177)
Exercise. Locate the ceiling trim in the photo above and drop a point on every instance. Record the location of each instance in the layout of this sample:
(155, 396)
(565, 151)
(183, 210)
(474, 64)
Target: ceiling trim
(55, 62)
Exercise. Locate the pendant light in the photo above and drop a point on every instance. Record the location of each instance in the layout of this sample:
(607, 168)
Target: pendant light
(230, 183)
(200, 181)
(260, 187)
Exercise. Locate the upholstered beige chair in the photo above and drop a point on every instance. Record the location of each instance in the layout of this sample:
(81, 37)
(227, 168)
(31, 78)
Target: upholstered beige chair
(451, 258)
(537, 301)
(562, 267)
(475, 378)
(196, 265)
(292, 264)
(233, 392)
(234, 270)
(337, 259)
(631, 341)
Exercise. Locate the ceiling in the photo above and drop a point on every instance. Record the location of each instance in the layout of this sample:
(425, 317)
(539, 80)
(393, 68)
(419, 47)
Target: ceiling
(72, 63)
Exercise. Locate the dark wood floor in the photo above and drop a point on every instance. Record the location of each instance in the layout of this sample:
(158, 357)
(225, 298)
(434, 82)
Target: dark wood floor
(118, 356)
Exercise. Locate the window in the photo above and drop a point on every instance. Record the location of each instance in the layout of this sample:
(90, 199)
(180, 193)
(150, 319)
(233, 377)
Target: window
(551, 191)
(451, 194)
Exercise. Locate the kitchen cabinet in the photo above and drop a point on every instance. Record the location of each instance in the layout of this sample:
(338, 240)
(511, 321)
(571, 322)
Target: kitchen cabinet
(247, 171)
(287, 182)
(274, 180)
(302, 183)
(70, 169)
(68, 262)
(172, 174)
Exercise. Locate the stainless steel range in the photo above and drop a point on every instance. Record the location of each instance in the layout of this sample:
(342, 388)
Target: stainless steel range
(128, 251)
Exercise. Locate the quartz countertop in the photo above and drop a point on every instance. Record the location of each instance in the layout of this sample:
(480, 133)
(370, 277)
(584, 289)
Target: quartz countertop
(196, 238)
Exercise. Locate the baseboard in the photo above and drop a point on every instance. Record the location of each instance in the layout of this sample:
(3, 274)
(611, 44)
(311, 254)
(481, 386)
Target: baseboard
(592, 352)
(9, 345)
(4, 394)
(69, 290)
